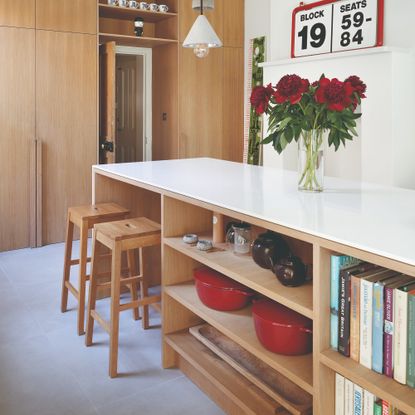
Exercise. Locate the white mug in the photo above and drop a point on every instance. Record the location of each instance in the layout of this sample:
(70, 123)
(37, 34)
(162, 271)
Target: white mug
(113, 2)
(163, 8)
(122, 3)
(154, 7)
(132, 4)
(144, 5)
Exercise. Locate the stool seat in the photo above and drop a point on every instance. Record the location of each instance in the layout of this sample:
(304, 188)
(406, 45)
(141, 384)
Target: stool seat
(84, 217)
(130, 228)
(121, 236)
(102, 212)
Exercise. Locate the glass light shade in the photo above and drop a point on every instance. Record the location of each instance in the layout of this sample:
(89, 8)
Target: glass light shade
(202, 33)
(201, 51)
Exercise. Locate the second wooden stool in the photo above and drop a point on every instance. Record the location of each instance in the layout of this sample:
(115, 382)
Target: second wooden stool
(126, 235)
(84, 217)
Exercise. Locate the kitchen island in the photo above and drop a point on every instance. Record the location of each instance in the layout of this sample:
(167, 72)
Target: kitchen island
(371, 222)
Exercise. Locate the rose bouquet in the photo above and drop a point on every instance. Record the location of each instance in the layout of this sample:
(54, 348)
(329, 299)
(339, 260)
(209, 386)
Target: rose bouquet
(302, 112)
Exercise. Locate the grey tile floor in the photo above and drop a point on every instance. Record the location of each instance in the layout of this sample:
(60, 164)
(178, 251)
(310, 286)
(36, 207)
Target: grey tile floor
(45, 369)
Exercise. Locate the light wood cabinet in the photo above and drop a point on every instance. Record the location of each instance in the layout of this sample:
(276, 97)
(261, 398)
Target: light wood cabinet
(67, 15)
(17, 123)
(211, 89)
(19, 13)
(66, 123)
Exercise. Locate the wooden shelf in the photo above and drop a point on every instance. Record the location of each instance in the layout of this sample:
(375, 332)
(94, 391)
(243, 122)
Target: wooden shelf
(385, 388)
(215, 376)
(239, 326)
(244, 270)
(146, 42)
(125, 13)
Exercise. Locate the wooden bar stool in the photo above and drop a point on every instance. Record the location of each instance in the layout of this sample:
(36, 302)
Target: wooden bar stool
(120, 236)
(84, 217)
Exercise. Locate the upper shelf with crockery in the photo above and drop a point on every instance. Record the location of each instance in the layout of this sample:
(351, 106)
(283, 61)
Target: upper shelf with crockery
(126, 13)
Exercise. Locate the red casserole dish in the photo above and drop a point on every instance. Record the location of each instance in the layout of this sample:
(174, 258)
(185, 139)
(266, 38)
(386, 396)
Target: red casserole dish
(219, 292)
(281, 330)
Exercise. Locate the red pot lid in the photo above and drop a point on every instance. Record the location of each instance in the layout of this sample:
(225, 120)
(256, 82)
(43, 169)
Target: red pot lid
(278, 314)
(213, 278)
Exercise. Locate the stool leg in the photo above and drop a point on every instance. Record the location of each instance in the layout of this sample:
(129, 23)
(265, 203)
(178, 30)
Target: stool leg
(67, 264)
(82, 277)
(92, 297)
(115, 308)
(144, 292)
(133, 286)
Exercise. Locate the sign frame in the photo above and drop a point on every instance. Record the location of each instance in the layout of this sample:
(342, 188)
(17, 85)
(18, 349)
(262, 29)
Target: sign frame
(303, 7)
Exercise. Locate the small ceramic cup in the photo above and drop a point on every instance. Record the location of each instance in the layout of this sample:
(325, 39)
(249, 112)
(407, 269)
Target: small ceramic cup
(144, 5)
(122, 3)
(132, 4)
(113, 2)
(154, 7)
(163, 8)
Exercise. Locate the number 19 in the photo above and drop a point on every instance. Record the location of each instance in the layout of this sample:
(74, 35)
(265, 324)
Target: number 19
(317, 34)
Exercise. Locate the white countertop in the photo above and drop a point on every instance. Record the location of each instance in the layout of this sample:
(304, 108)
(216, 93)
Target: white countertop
(367, 216)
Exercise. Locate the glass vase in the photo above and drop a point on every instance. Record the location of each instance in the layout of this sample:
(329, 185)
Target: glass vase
(311, 161)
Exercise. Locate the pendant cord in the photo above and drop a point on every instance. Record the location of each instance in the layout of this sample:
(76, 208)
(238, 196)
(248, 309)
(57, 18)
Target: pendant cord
(201, 6)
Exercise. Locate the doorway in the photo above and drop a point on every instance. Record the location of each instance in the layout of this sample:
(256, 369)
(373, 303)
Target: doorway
(125, 104)
(133, 115)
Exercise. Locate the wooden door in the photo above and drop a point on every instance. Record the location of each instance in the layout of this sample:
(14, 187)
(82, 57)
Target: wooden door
(18, 13)
(66, 123)
(67, 15)
(130, 108)
(17, 123)
(107, 102)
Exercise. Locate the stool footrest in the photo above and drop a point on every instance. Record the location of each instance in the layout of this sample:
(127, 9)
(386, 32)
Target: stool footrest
(143, 302)
(72, 289)
(76, 261)
(104, 324)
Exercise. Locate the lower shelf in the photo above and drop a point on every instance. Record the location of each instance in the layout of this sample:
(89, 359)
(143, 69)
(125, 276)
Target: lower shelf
(145, 42)
(239, 327)
(398, 395)
(235, 394)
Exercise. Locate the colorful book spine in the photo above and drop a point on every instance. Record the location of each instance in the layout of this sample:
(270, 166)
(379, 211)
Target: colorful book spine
(357, 400)
(368, 403)
(377, 334)
(366, 298)
(348, 397)
(388, 332)
(385, 408)
(355, 318)
(410, 373)
(339, 394)
(344, 314)
(337, 262)
(377, 408)
(400, 335)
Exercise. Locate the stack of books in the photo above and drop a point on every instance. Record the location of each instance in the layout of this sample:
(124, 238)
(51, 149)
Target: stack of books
(373, 317)
(351, 399)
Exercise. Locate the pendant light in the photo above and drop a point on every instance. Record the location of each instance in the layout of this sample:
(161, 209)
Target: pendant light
(202, 36)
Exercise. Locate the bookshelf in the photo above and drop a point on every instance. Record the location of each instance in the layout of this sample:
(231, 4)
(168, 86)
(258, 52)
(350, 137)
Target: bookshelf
(188, 208)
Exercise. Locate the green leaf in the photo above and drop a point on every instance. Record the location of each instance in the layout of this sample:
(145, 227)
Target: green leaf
(284, 123)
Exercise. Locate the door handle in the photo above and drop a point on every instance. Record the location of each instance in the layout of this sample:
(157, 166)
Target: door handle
(107, 146)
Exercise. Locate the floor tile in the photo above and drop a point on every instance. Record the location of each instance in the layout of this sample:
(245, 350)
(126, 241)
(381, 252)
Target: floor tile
(177, 397)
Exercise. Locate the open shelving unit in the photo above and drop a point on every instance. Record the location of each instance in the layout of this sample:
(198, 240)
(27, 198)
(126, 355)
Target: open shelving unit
(182, 309)
(126, 40)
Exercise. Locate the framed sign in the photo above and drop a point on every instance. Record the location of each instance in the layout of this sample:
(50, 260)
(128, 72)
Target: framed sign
(336, 25)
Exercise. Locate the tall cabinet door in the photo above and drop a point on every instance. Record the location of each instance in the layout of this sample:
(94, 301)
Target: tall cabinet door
(18, 13)
(66, 123)
(17, 133)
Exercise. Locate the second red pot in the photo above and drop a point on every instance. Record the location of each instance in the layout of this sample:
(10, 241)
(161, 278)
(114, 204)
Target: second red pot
(282, 330)
(219, 292)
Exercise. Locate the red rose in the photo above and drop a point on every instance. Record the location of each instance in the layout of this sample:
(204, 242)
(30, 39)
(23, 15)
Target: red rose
(336, 94)
(291, 88)
(358, 85)
(260, 98)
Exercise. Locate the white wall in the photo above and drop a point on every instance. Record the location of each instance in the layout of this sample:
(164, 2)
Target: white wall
(383, 153)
